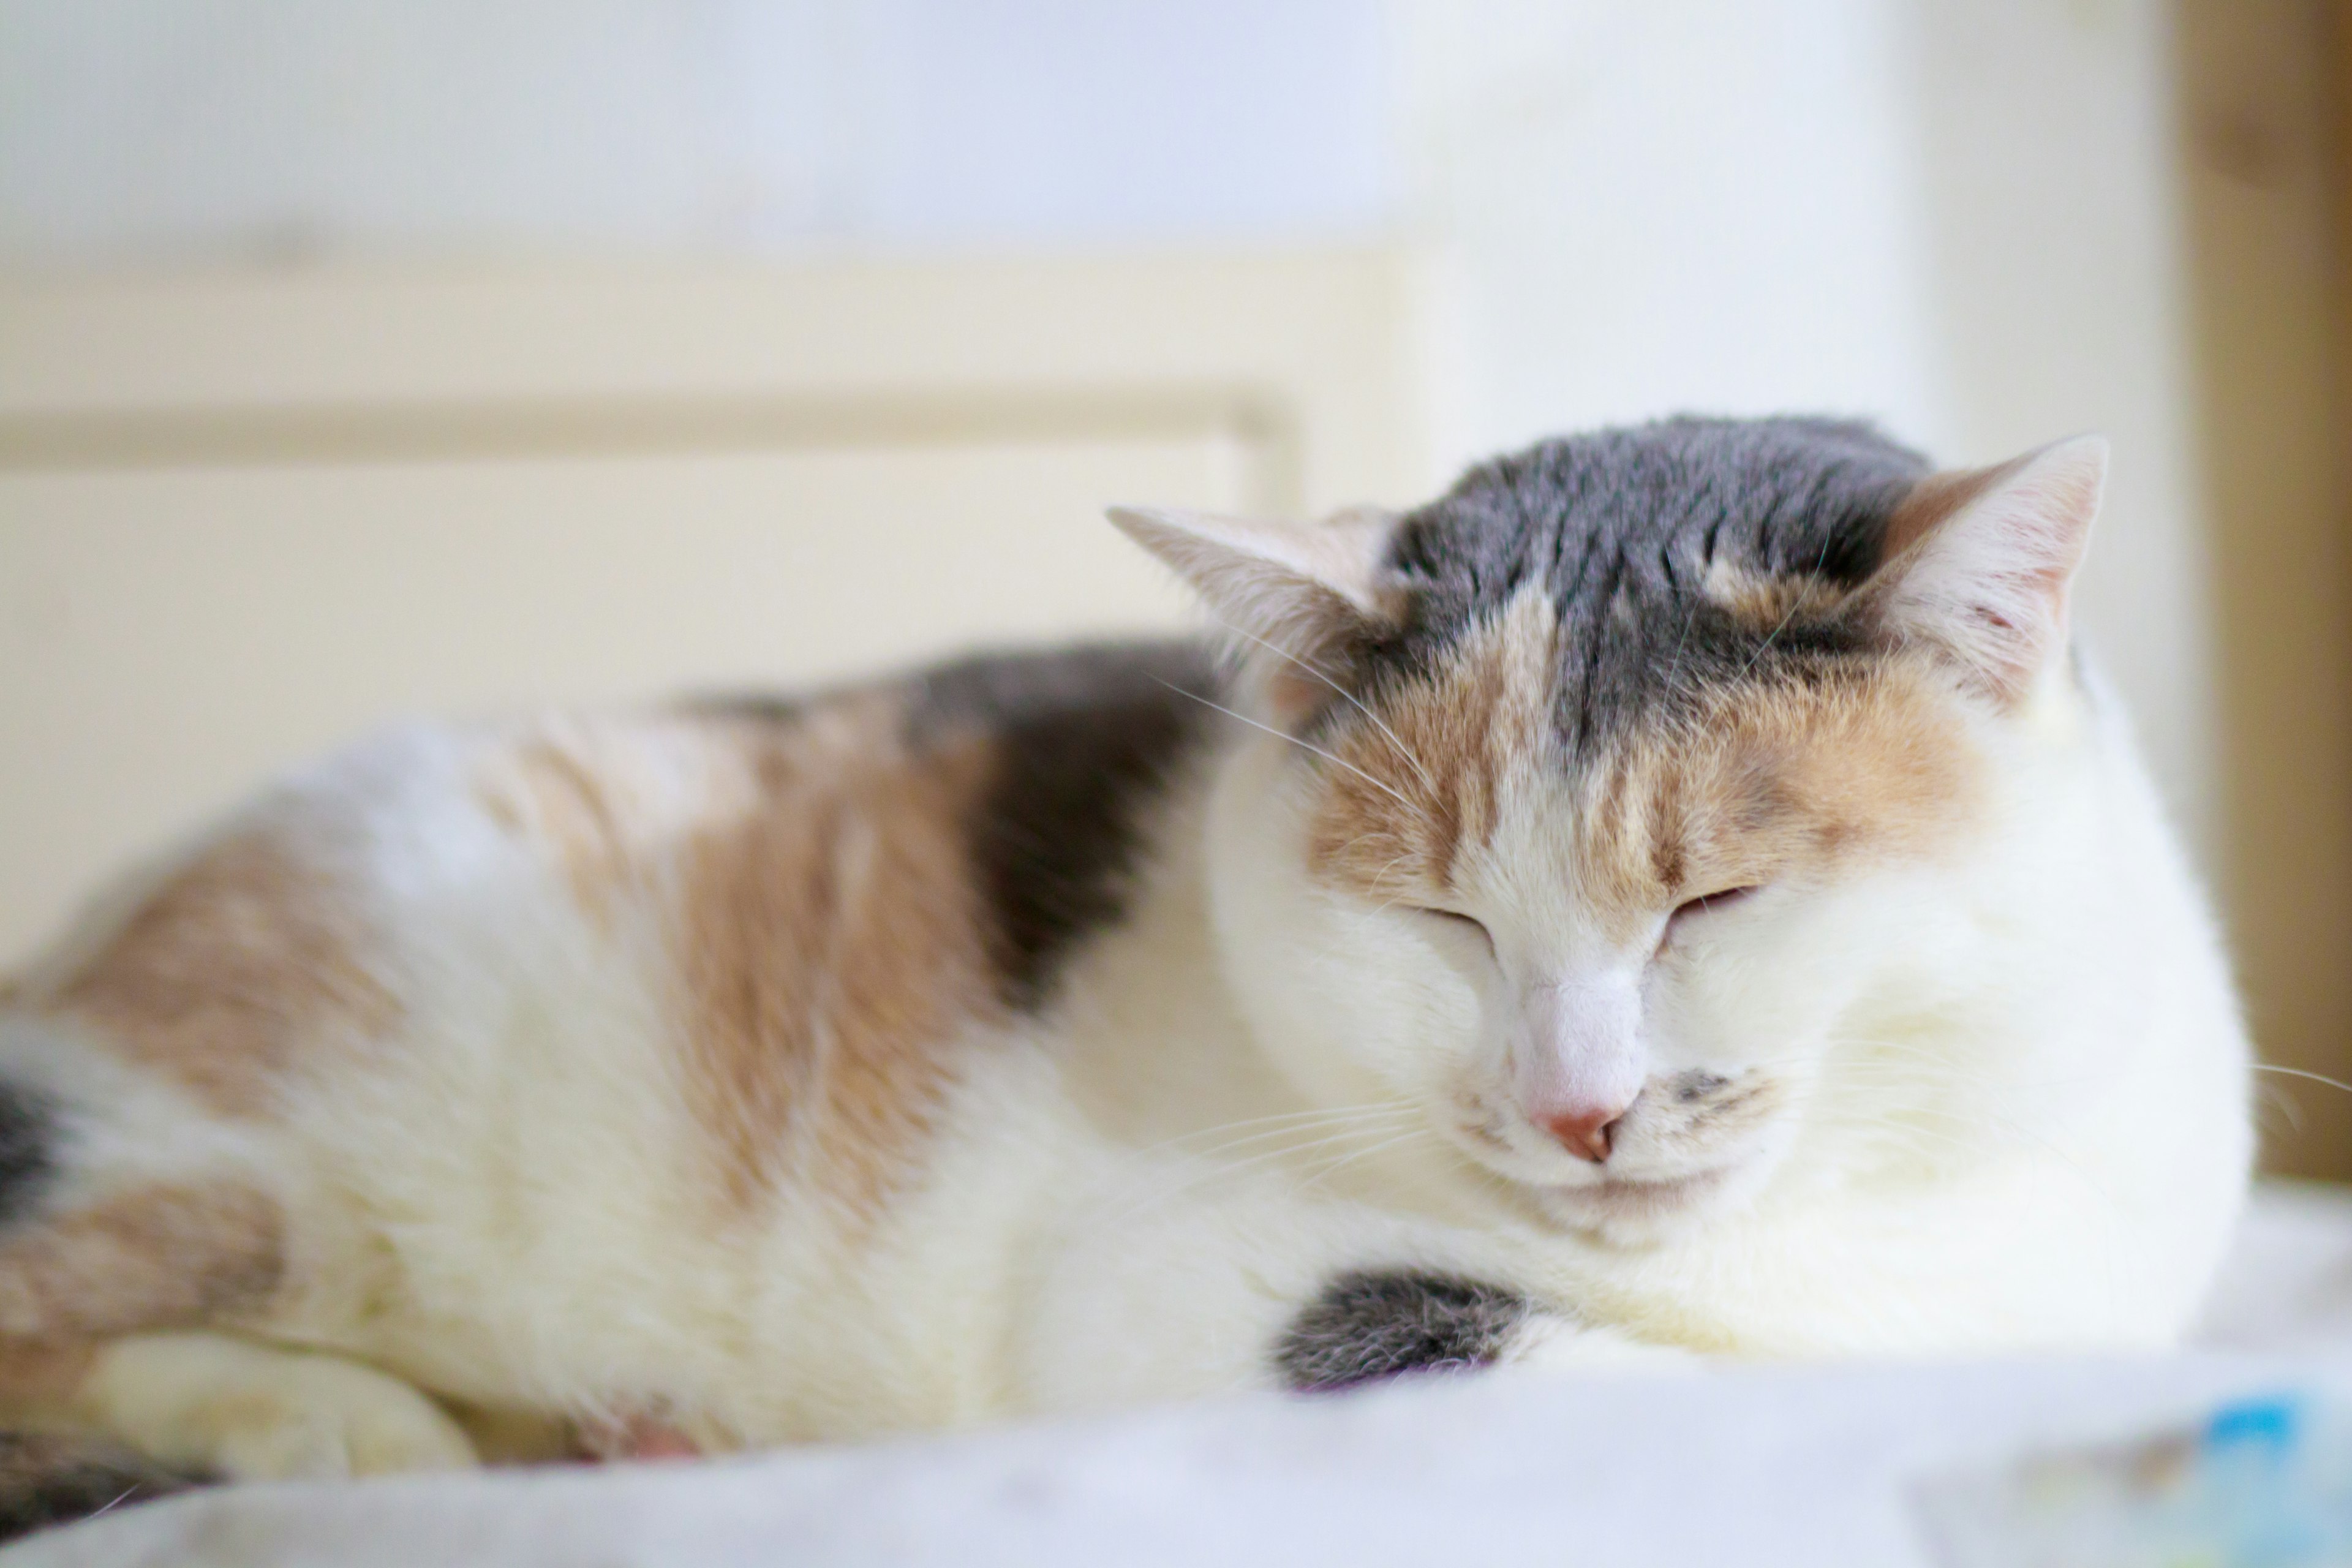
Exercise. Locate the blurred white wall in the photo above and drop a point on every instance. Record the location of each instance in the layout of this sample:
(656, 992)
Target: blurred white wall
(1953, 216)
(227, 129)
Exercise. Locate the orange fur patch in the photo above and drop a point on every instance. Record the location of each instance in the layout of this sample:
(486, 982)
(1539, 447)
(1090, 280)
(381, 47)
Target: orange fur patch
(245, 956)
(554, 790)
(1769, 605)
(1398, 814)
(830, 942)
(156, 1257)
(1770, 782)
(41, 1374)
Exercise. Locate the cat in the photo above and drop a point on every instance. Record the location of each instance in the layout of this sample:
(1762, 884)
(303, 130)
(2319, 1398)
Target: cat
(1677, 894)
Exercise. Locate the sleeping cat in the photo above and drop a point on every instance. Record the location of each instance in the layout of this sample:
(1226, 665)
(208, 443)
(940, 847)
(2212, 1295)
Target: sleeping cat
(1676, 893)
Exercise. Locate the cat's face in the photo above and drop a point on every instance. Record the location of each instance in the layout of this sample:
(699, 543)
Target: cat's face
(1603, 789)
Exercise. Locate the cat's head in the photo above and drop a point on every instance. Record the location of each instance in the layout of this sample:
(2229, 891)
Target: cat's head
(1595, 797)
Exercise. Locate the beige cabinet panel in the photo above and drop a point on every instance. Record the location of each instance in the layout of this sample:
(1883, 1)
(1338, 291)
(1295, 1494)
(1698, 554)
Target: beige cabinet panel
(172, 635)
(248, 515)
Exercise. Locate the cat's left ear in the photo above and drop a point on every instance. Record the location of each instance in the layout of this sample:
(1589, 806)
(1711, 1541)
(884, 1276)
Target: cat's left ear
(1309, 594)
(1978, 562)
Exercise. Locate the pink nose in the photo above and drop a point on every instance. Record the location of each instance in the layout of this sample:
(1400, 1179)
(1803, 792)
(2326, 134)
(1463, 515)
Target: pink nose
(1584, 1133)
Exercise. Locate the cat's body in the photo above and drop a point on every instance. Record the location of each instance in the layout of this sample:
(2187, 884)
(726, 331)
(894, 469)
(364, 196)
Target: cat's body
(1031, 1034)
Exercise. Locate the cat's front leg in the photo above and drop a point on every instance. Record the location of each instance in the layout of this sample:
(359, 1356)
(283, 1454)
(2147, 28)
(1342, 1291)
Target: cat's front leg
(1370, 1324)
(1264, 1290)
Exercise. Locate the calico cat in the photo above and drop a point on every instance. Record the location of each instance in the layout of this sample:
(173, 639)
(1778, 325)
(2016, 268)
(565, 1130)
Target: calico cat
(1675, 894)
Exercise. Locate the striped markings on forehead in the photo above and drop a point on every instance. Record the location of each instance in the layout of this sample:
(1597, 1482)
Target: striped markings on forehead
(1466, 777)
(1672, 555)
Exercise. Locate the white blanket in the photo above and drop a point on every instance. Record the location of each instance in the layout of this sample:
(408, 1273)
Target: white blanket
(1754, 1466)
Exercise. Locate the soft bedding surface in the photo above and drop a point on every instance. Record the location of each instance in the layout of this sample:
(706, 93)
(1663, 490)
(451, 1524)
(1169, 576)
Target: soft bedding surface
(1758, 1465)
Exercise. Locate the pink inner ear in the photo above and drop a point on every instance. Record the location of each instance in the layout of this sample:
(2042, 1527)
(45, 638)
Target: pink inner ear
(1980, 562)
(1290, 583)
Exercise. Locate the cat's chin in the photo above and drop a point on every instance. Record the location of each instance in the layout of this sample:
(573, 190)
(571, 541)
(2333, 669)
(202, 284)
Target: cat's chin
(1639, 1213)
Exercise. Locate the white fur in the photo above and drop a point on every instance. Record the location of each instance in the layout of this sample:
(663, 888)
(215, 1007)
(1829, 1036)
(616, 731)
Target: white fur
(260, 1414)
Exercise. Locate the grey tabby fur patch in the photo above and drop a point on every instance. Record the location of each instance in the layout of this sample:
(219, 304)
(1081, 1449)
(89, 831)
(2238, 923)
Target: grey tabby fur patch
(1620, 528)
(1371, 1324)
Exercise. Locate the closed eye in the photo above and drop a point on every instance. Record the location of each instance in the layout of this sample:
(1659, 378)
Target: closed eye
(1707, 903)
(1462, 922)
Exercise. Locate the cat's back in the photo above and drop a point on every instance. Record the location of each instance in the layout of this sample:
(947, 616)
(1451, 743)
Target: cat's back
(642, 969)
(982, 810)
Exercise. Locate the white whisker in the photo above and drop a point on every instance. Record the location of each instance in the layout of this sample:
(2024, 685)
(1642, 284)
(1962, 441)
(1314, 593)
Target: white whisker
(1410, 1135)
(1402, 750)
(1336, 762)
(1207, 1168)
(2298, 1072)
(1795, 604)
(123, 1497)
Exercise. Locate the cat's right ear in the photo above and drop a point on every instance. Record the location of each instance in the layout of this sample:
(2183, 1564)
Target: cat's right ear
(1980, 563)
(1308, 593)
